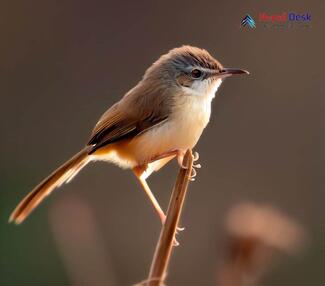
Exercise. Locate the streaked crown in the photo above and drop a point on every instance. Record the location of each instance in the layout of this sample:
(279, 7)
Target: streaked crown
(193, 57)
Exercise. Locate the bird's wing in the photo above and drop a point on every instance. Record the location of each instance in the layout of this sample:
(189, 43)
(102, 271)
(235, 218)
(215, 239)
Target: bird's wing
(137, 112)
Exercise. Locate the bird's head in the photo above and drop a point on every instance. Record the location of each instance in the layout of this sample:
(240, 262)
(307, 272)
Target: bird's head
(192, 69)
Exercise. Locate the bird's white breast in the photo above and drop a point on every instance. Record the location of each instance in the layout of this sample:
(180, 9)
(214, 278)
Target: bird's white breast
(182, 130)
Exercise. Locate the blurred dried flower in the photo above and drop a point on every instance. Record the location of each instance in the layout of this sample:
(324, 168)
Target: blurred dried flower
(266, 224)
(255, 231)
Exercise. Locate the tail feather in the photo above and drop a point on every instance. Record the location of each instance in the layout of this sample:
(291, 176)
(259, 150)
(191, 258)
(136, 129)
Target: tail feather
(64, 174)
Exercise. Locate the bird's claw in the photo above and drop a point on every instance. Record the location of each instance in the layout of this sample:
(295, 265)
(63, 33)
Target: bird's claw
(193, 174)
(196, 156)
(179, 229)
(175, 242)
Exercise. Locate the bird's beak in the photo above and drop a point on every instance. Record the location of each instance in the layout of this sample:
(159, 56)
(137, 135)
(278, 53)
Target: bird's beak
(229, 72)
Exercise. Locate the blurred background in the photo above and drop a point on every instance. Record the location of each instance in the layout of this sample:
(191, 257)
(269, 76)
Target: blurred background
(62, 63)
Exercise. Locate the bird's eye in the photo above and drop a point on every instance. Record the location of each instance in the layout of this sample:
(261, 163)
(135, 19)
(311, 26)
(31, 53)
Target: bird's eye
(196, 73)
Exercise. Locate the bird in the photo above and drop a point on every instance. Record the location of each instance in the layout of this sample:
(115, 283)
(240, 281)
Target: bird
(157, 120)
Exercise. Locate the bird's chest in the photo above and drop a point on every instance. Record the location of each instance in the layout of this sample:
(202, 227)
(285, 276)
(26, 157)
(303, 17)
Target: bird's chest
(190, 117)
(193, 112)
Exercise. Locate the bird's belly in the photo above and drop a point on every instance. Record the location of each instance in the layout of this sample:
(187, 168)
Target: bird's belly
(168, 137)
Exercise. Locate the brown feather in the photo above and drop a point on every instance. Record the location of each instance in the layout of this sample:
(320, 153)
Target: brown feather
(63, 174)
(135, 113)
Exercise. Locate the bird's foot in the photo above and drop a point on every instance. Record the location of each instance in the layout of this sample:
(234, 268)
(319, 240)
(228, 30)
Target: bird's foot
(196, 157)
(178, 229)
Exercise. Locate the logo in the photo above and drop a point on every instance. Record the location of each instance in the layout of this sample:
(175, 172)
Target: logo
(284, 17)
(248, 21)
(283, 20)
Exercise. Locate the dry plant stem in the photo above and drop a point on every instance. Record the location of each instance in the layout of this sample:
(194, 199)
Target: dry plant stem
(163, 251)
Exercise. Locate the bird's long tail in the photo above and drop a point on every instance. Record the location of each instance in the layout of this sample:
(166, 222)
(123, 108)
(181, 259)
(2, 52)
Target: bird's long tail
(64, 174)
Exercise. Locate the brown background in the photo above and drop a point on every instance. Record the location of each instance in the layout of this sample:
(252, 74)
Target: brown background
(64, 62)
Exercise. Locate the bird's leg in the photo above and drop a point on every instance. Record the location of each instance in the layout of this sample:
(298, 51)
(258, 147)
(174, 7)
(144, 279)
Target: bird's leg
(139, 172)
(164, 155)
(178, 153)
(180, 156)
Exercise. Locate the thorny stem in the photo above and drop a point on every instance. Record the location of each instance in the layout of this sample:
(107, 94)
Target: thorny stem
(159, 265)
